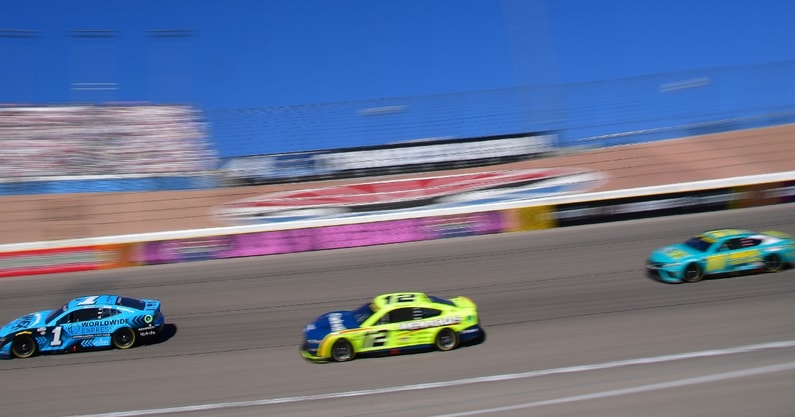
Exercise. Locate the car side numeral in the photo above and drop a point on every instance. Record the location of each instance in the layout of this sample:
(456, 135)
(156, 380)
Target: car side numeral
(56, 336)
(375, 339)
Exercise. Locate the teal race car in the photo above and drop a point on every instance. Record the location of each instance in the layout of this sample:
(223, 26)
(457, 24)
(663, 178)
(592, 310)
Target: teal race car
(721, 251)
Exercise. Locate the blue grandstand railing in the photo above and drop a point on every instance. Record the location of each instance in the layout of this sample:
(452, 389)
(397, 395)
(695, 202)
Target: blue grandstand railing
(665, 104)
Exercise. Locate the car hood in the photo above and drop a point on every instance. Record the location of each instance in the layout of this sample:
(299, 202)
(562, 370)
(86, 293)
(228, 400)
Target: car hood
(674, 253)
(28, 321)
(334, 321)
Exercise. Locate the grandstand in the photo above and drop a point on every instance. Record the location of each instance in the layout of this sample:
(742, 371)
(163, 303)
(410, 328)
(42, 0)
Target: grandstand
(102, 140)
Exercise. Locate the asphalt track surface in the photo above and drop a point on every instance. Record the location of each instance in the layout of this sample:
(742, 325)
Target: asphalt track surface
(574, 328)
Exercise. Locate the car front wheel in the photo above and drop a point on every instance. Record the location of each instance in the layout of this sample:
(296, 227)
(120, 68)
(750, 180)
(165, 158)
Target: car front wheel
(773, 263)
(23, 346)
(123, 338)
(341, 351)
(693, 273)
(446, 340)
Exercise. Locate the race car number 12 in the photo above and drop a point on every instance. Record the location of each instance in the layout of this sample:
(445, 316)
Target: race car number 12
(400, 298)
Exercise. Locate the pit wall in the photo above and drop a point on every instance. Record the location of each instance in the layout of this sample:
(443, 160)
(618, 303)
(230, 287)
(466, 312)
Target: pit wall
(242, 241)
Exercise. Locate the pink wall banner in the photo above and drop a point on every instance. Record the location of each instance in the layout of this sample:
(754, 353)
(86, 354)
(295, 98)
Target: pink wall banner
(182, 250)
(468, 224)
(367, 234)
(269, 243)
(321, 238)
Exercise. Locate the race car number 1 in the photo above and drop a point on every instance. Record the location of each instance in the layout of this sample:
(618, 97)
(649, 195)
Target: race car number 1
(56, 336)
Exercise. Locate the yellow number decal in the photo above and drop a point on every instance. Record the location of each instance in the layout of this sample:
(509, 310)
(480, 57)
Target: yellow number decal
(716, 262)
(744, 257)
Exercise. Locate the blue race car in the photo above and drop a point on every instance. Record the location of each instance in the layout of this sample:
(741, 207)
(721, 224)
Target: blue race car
(84, 323)
(721, 251)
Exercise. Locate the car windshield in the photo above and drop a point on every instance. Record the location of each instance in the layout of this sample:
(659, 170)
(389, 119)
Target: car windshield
(363, 313)
(55, 314)
(698, 243)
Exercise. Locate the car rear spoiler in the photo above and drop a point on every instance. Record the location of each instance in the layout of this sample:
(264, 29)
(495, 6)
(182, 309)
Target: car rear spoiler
(463, 302)
(777, 234)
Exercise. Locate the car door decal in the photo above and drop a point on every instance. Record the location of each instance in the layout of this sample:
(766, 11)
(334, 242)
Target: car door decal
(745, 257)
(716, 262)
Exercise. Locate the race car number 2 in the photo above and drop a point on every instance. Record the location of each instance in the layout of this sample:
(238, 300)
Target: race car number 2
(375, 339)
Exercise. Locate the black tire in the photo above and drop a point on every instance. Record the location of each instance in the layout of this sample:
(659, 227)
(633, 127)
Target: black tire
(446, 340)
(693, 273)
(342, 351)
(123, 338)
(773, 263)
(23, 346)
(481, 338)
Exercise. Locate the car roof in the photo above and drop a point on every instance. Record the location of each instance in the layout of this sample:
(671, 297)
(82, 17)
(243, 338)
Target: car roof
(718, 234)
(404, 299)
(86, 301)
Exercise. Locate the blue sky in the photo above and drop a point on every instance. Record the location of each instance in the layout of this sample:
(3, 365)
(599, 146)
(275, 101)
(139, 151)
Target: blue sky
(284, 52)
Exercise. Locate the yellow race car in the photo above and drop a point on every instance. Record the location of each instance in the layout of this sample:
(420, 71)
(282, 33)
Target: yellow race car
(392, 324)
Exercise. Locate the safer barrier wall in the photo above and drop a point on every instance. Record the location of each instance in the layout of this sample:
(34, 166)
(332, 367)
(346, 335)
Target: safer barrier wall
(320, 238)
(223, 243)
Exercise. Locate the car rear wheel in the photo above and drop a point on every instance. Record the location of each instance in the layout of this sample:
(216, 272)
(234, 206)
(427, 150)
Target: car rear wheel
(446, 340)
(773, 263)
(693, 273)
(23, 346)
(341, 351)
(123, 338)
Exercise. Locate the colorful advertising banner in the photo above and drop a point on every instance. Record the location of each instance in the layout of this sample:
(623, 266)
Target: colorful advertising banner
(49, 261)
(532, 218)
(630, 208)
(469, 224)
(410, 157)
(755, 195)
(368, 234)
(408, 195)
(321, 238)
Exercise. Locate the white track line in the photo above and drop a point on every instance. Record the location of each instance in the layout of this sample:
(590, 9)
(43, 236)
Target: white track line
(495, 378)
(634, 390)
